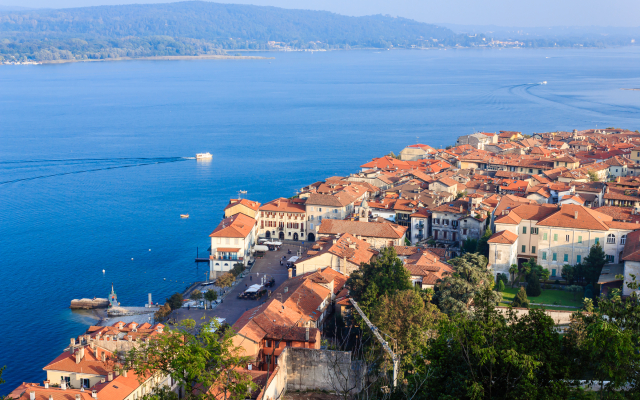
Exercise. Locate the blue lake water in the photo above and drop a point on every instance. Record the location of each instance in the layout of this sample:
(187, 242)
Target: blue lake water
(94, 168)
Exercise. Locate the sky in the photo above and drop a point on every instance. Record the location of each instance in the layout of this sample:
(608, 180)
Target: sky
(510, 13)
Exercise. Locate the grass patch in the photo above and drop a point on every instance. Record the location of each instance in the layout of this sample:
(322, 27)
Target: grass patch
(548, 296)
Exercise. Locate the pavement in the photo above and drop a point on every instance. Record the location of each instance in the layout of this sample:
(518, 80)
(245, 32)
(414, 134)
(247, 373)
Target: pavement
(232, 307)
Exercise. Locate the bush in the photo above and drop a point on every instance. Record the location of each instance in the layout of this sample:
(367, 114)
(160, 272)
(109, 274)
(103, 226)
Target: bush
(503, 278)
(237, 269)
(521, 299)
(500, 286)
(533, 286)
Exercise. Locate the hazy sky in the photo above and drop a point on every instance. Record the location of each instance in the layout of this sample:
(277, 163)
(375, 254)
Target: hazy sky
(525, 13)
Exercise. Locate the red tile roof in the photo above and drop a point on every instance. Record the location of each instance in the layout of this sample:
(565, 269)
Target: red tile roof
(362, 229)
(504, 237)
(236, 226)
(283, 205)
(254, 205)
(631, 250)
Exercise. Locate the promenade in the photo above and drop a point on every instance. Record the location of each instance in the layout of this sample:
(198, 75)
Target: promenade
(232, 307)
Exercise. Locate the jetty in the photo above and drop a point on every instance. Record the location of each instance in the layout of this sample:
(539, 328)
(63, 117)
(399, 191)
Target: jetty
(89, 304)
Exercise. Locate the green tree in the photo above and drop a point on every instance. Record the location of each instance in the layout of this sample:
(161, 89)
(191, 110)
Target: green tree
(593, 177)
(195, 358)
(500, 286)
(492, 355)
(457, 291)
(533, 286)
(568, 272)
(521, 299)
(594, 262)
(469, 245)
(237, 269)
(175, 301)
(461, 194)
(210, 295)
(225, 280)
(407, 317)
(483, 245)
(385, 275)
(196, 295)
(513, 270)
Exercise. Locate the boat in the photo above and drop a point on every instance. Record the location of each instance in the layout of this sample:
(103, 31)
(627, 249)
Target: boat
(184, 215)
(200, 156)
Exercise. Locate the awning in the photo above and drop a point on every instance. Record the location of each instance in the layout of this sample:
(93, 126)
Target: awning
(253, 288)
(293, 259)
(273, 243)
(260, 247)
(226, 250)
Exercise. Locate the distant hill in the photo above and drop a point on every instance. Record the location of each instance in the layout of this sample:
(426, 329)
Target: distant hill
(195, 27)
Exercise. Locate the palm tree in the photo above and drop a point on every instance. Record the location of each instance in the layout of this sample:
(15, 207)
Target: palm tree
(512, 272)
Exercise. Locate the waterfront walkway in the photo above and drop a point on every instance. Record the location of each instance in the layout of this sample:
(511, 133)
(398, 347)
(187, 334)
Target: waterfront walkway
(232, 308)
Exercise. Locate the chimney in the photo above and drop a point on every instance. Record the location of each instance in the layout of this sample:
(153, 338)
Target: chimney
(104, 356)
(32, 395)
(103, 380)
(46, 384)
(78, 397)
(79, 354)
(110, 376)
(576, 215)
(94, 394)
(50, 397)
(306, 336)
(129, 338)
(63, 385)
(124, 373)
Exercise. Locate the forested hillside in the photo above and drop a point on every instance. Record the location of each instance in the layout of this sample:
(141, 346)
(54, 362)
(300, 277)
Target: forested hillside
(194, 28)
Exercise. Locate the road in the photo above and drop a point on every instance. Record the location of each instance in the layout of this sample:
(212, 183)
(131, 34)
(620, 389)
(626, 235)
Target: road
(232, 308)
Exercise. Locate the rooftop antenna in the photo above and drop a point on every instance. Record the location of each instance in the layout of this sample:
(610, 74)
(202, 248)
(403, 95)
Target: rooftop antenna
(240, 193)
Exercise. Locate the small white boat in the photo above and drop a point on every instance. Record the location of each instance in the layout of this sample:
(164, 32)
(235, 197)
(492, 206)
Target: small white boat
(184, 215)
(200, 156)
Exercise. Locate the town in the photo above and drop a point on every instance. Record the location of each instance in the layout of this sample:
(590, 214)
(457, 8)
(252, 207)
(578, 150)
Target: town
(289, 279)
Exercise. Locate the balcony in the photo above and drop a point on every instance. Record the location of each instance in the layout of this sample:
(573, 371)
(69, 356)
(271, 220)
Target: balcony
(281, 228)
(225, 258)
(419, 226)
(419, 236)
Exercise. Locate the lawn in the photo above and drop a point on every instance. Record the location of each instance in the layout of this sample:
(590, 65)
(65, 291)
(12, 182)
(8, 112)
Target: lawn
(548, 296)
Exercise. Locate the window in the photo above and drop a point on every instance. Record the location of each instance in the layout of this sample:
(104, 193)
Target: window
(623, 239)
(319, 208)
(555, 237)
(267, 343)
(524, 229)
(310, 217)
(319, 217)
(544, 255)
(611, 238)
(464, 231)
(85, 383)
(335, 210)
(436, 221)
(566, 238)
(610, 259)
(533, 249)
(544, 236)
(534, 231)
(524, 248)
(553, 272)
(289, 344)
(445, 222)
(578, 259)
(454, 224)
(566, 258)
(555, 257)
(530, 170)
(310, 226)
(597, 240)
(444, 234)
(579, 239)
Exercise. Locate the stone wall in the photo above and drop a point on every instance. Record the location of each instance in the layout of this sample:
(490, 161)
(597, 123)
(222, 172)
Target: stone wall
(311, 369)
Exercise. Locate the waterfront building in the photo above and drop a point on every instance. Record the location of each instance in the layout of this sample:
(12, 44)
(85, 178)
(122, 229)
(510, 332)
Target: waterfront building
(416, 152)
(244, 206)
(231, 243)
(321, 207)
(420, 225)
(282, 219)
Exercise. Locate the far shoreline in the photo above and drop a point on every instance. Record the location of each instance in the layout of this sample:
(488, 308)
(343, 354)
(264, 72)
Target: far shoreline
(161, 58)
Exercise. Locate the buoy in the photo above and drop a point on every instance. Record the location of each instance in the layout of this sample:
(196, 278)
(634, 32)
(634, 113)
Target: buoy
(103, 271)
(149, 249)
(131, 259)
(165, 279)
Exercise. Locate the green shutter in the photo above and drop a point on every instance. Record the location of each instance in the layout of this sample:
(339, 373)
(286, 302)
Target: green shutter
(544, 255)
(579, 258)
(555, 237)
(544, 236)
(524, 248)
(566, 258)
(555, 256)
(533, 249)
(524, 229)
(579, 239)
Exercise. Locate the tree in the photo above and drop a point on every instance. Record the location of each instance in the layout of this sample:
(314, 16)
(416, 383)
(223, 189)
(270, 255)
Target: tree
(568, 272)
(521, 299)
(196, 295)
(492, 355)
(461, 194)
(406, 317)
(175, 301)
(163, 312)
(533, 286)
(237, 269)
(500, 286)
(210, 295)
(513, 270)
(225, 280)
(456, 291)
(483, 245)
(385, 275)
(593, 177)
(469, 246)
(594, 262)
(195, 358)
